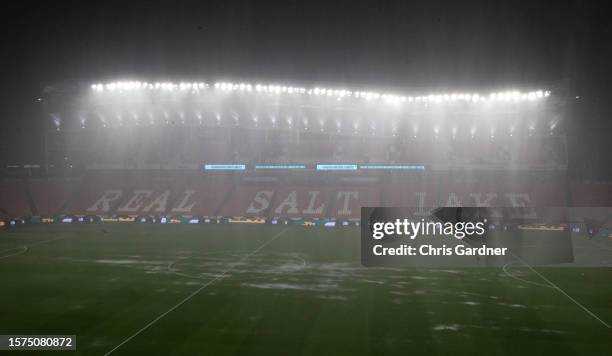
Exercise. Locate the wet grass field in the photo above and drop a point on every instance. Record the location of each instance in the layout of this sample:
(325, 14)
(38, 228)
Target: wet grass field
(129, 289)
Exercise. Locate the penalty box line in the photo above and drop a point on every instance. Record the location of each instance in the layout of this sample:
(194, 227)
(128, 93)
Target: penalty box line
(197, 291)
(562, 292)
(23, 249)
(33, 244)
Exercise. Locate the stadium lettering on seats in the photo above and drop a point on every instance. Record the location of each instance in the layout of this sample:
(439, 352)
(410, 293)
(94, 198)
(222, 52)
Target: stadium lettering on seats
(136, 201)
(183, 207)
(103, 204)
(346, 196)
(139, 202)
(261, 202)
(160, 202)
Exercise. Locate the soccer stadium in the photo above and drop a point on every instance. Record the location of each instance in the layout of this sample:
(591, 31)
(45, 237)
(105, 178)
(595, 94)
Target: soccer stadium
(235, 215)
(222, 217)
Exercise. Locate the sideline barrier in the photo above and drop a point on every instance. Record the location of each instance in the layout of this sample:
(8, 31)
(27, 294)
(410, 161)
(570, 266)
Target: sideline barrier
(191, 220)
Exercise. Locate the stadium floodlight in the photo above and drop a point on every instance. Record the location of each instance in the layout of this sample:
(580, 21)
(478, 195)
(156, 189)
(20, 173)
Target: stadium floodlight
(553, 124)
(118, 87)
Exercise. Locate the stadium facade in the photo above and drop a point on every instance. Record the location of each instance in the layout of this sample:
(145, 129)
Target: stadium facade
(225, 149)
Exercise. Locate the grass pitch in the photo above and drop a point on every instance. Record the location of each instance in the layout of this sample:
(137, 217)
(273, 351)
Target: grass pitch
(266, 290)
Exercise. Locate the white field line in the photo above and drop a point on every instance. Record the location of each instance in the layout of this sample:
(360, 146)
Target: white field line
(564, 293)
(505, 269)
(25, 248)
(194, 293)
(12, 248)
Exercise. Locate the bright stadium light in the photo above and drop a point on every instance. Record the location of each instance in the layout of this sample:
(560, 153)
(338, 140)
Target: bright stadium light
(244, 88)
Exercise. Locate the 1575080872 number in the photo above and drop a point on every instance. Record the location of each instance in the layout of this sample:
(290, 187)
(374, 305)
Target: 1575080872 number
(37, 342)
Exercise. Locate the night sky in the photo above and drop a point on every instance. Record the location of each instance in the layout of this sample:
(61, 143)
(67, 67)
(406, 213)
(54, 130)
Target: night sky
(380, 43)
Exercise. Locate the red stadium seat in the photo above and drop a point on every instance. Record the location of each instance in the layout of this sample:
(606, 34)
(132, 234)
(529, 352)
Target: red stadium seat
(49, 196)
(13, 199)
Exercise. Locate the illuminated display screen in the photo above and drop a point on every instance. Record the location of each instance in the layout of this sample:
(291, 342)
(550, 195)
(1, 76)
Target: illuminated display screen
(225, 167)
(392, 167)
(336, 167)
(280, 166)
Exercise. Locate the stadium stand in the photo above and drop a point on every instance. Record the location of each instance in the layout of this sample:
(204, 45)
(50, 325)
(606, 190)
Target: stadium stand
(50, 195)
(13, 199)
(283, 196)
(250, 199)
(150, 162)
(339, 197)
(591, 194)
(300, 200)
(98, 195)
(208, 194)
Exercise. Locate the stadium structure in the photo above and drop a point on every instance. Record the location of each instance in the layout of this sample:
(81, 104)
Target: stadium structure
(225, 149)
(219, 218)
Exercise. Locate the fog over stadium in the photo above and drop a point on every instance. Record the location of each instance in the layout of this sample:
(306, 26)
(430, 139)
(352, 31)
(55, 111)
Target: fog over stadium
(407, 48)
(303, 177)
(518, 122)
